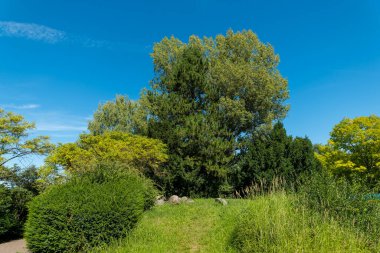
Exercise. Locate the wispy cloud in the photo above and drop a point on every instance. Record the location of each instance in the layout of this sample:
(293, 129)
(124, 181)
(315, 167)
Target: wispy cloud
(21, 107)
(31, 31)
(47, 34)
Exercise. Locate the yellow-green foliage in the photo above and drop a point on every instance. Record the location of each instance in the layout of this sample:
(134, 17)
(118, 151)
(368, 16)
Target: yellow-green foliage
(136, 151)
(354, 148)
(13, 138)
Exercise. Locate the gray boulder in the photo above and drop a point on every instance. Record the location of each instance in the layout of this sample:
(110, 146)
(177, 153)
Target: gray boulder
(160, 200)
(174, 199)
(221, 201)
(186, 200)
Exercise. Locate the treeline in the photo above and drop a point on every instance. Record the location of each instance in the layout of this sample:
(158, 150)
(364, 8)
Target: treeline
(208, 126)
(213, 103)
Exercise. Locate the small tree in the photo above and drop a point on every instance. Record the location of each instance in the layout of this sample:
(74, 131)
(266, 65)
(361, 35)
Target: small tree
(17, 185)
(138, 152)
(14, 142)
(354, 149)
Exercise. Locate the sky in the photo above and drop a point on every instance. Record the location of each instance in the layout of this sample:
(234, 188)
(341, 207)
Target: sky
(60, 59)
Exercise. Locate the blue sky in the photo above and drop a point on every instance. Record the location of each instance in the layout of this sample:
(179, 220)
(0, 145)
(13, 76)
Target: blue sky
(60, 59)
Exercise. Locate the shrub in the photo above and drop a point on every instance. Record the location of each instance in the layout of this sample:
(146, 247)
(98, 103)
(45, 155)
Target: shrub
(275, 223)
(13, 211)
(88, 211)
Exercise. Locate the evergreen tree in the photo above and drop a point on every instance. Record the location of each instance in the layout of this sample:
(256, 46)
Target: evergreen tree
(274, 156)
(208, 97)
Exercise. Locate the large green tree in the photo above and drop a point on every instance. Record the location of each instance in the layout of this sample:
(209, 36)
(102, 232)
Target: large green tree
(208, 95)
(354, 149)
(122, 114)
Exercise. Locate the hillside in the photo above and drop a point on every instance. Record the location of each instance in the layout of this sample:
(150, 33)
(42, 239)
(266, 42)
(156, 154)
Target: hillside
(270, 223)
(203, 226)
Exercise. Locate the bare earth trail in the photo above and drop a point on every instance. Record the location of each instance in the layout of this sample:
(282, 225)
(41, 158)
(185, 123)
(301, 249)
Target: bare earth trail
(16, 246)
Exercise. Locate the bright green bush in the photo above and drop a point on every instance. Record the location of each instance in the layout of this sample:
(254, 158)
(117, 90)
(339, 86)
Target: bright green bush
(276, 223)
(88, 211)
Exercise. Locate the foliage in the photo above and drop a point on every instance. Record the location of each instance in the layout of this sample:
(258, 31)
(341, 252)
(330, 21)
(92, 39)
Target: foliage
(136, 151)
(354, 149)
(347, 202)
(275, 223)
(26, 178)
(207, 96)
(269, 222)
(13, 138)
(13, 211)
(88, 211)
(181, 228)
(274, 154)
(6, 219)
(17, 188)
(121, 115)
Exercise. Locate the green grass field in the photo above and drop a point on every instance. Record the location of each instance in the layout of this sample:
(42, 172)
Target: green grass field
(203, 226)
(265, 224)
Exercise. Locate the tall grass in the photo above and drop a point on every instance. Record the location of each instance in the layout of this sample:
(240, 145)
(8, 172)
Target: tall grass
(276, 223)
(324, 215)
(346, 202)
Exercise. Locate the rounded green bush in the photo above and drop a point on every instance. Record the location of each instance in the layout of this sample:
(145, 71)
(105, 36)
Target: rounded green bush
(87, 211)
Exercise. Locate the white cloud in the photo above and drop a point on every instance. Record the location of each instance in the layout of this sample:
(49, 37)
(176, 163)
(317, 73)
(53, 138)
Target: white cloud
(31, 31)
(47, 34)
(21, 107)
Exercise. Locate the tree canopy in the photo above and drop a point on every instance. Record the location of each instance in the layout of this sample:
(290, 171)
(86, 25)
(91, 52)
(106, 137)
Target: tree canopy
(14, 141)
(273, 156)
(122, 114)
(138, 152)
(354, 149)
(208, 95)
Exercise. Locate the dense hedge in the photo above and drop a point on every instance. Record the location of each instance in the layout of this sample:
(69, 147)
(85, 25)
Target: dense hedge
(87, 211)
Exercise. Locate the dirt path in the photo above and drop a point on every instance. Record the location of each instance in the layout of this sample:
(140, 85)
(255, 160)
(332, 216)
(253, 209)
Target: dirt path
(17, 246)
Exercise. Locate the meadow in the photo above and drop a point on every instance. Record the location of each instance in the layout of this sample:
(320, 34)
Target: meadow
(272, 223)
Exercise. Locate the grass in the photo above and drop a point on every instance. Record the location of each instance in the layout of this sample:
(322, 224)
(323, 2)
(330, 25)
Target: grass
(277, 223)
(203, 226)
(271, 223)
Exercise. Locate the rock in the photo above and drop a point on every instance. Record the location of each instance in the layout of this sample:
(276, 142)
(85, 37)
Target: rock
(183, 199)
(159, 202)
(174, 199)
(186, 200)
(221, 201)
